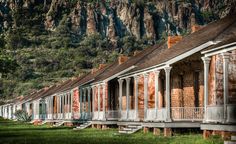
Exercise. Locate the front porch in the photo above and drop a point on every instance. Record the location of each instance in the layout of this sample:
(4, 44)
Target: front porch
(165, 94)
(219, 94)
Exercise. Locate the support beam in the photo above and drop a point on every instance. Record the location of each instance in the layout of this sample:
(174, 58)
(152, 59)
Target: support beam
(145, 94)
(66, 105)
(157, 72)
(84, 100)
(206, 62)
(51, 107)
(226, 82)
(104, 100)
(71, 102)
(127, 96)
(136, 80)
(89, 101)
(120, 93)
(80, 101)
(93, 99)
(99, 93)
(84, 103)
(167, 72)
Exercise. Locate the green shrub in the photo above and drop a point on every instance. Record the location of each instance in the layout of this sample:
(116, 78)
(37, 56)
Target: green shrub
(22, 115)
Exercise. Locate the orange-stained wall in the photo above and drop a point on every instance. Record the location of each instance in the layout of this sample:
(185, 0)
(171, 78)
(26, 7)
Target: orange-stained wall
(211, 81)
(141, 96)
(96, 99)
(55, 104)
(101, 98)
(219, 79)
(151, 90)
(106, 97)
(232, 78)
(75, 104)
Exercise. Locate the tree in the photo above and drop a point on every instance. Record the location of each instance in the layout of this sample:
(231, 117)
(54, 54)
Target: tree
(7, 64)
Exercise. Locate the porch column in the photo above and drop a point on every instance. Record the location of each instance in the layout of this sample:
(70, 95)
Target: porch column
(84, 101)
(80, 100)
(157, 72)
(99, 92)
(206, 62)
(66, 105)
(60, 105)
(145, 94)
(89, 101)
(226, 82)
(71, 103)
(51, 108)
(63, 106)
(48, 107)
(57, 104)
(167, 72)
(120, 93)
(37, 107)
(136, 80)
(104, 100)
(93, 97)
(127, 96)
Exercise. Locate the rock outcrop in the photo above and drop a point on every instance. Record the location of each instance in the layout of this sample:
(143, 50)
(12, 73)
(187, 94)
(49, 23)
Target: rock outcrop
(116, 19)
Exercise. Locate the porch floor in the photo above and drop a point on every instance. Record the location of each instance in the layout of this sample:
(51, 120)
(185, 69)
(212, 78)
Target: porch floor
(218, 127)
(184, 124)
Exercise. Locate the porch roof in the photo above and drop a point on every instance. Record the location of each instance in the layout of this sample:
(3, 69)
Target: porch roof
(49, 91)
(90, 77)
(55, 89)
(228, 38)
(132, 61)
(208, 33)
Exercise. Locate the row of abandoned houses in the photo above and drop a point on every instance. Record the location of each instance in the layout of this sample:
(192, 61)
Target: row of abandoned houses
(186, 82)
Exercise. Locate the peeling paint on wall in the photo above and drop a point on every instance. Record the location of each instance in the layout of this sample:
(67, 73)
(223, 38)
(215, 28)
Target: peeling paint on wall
(75, 104)
(231, 79)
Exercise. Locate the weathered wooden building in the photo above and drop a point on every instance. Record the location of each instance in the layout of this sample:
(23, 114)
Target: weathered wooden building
(184, 82)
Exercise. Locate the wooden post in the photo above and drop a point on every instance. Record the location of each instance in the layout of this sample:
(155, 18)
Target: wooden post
(145, 130)
(206, 134)
(156, 131)
(225, 135)
(167, 132)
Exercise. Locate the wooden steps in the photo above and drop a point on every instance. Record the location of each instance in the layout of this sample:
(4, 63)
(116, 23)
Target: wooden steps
(83, 126)
(130, 129)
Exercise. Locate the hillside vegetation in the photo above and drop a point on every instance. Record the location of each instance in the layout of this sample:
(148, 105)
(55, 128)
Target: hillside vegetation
(46, 41)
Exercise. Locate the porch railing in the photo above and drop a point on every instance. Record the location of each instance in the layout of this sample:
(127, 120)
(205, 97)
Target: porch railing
(54, 116)
(187, 113)
(151, 114)
(95, 115)
(161, 114)
(216, 113)
(49, 116)
(131, 115)
(101, 115)
(231, 113)
(123, 115)
(112, 114)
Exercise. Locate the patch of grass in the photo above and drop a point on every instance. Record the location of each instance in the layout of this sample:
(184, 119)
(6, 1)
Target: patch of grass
(23, 133)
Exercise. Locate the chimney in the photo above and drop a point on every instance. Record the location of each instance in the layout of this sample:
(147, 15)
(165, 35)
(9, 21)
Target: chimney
(122, 59)
(94, 70)
(46, 88)
(101, 66)
(195, 28)
(136, 52)
(172, 40)
(74, 78)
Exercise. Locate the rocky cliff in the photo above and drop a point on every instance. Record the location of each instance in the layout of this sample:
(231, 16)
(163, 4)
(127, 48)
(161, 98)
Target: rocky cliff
(114, 19)
(53, 40)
